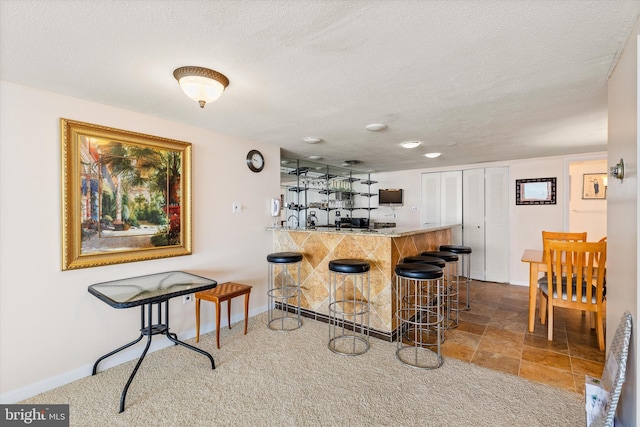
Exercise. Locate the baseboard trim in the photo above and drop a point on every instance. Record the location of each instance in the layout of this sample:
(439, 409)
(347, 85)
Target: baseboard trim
(124, 356)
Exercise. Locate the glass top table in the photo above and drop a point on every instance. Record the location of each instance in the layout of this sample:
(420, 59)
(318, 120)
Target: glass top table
(145, 292)
(134, 291)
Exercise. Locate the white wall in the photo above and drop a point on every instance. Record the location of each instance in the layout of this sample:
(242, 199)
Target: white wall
(52, 330)
(526, 222)
(622, 223)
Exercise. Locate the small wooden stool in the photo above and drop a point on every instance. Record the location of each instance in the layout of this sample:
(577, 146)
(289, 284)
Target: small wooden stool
(223, 292)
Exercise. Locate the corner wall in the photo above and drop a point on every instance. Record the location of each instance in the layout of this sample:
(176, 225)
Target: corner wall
(52, 329)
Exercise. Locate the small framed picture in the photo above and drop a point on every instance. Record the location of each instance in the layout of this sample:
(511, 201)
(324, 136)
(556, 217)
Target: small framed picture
(536, 191)
(594, 186)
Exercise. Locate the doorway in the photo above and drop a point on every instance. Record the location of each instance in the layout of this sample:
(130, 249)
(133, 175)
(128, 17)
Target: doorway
(587, 201)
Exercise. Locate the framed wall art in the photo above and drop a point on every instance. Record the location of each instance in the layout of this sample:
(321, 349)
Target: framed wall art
(126, 196)
(594, 186)
(536, 191)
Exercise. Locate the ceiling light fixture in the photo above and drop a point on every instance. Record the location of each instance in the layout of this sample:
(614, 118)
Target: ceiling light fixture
(410, 144)
(433, 155)
(312, 140)
(315, 157)
(376, 127)
(351, 162)
(201, 84)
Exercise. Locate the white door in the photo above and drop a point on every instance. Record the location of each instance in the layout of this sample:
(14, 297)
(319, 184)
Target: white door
(451, 198)
(496, 208)
(485, 214)
(473, 230)
(430, 199)
(441, 198)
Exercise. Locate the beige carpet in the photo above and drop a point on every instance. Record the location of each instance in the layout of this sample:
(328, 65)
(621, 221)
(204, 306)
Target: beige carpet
(272, 378)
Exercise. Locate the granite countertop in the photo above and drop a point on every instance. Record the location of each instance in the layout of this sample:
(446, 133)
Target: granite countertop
(383, 232)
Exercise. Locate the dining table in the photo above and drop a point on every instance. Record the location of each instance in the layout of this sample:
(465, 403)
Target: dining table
(537, 265)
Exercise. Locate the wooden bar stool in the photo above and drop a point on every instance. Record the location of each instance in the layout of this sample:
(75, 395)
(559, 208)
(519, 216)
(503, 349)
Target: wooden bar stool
(223, 292)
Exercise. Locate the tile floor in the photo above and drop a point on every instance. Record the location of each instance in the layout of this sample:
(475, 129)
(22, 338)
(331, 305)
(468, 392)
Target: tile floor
(494, 334)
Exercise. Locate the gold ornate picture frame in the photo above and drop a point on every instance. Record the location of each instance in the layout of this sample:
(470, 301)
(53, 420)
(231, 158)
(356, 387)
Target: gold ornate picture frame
(126, 196)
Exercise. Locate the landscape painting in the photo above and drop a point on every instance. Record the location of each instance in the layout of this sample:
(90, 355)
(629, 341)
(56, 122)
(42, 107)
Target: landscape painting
(126, 196)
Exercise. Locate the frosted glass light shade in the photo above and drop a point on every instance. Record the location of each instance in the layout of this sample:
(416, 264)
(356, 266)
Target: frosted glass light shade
(201, 84)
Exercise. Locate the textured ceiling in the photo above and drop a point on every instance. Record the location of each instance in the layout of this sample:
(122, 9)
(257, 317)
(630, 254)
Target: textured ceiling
(479, 81)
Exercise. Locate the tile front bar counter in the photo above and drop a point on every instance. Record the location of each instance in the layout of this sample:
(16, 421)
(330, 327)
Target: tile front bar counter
(382, 248)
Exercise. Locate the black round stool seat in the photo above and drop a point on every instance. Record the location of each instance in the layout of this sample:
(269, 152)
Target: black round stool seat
(419, 271)
(349, 266)
(284, 257)
(456, 249)
(447, 256)
(431, 260)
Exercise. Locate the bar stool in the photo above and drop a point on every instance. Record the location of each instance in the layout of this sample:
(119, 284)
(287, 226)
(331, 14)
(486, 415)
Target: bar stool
(283, 287)
(464, 267)
(420, 315)
(431, 260)
(451, 289)
(349, 293)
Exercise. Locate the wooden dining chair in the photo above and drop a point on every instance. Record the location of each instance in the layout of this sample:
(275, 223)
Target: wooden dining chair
(575, 280)
(564, 237)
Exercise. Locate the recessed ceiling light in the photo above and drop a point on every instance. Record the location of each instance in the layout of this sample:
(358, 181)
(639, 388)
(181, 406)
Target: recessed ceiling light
(376, 127)
(285, 162)
(312, 140)
(315, 157)
(410, 144)
(450, 143)
(433, 155)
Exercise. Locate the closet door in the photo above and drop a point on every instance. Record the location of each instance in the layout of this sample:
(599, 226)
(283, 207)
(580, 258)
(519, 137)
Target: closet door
(430, 199)
(473, 231)
(451, 203)
(497, 224)
(441, 195)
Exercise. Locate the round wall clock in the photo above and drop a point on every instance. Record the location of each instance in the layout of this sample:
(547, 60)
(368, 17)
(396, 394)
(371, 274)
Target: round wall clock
(255, 160)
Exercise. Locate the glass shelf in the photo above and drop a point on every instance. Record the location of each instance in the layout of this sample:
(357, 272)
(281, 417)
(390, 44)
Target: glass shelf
(297, 189)
(314, 183)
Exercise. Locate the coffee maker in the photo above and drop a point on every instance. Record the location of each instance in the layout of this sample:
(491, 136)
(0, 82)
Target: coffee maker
(311, 220)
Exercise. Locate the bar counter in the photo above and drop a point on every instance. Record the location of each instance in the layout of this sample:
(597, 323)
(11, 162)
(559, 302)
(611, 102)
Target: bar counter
(382, 248)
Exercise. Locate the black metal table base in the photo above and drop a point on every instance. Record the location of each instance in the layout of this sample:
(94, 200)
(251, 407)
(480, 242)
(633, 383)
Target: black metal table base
(149, 329)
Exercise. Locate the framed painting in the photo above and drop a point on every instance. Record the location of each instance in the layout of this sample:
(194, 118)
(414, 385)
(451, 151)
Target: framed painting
(126, 196)
(536, 191)
(594, 186)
